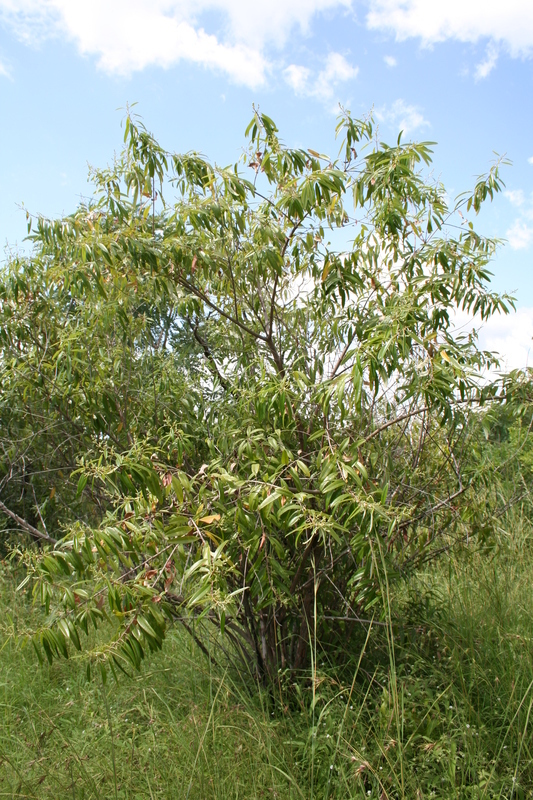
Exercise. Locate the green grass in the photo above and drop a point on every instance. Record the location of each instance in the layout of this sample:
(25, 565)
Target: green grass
(437, 704)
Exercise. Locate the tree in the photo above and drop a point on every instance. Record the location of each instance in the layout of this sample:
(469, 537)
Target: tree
(248, 425)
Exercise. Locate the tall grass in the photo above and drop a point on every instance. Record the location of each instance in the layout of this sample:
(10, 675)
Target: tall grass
(436, 702)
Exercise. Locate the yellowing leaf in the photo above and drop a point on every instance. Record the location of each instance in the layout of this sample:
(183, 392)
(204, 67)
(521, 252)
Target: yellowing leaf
(445, 356)
(52, 492)
(211, 518)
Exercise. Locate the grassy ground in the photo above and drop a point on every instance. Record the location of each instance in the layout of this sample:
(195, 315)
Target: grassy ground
(436, 704)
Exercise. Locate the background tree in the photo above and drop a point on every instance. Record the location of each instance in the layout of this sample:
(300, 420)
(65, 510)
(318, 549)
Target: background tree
(247, 405)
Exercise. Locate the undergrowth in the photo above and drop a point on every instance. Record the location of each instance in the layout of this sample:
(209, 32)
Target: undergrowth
(433, 701)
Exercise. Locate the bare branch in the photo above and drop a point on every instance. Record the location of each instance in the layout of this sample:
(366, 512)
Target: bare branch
(341, 358)
(395, 421)
(198, 292)
(26, 525)
(208, 354)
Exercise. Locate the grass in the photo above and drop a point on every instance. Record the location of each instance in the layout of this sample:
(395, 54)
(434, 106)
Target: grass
(438, 703)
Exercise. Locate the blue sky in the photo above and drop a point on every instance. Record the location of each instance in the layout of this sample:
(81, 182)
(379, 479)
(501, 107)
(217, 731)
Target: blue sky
(459, 73)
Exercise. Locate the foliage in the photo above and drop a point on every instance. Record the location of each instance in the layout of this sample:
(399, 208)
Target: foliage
(441, 707)
(221, 415)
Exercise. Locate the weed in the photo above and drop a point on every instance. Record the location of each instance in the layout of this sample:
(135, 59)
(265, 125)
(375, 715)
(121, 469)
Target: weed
(436, 703)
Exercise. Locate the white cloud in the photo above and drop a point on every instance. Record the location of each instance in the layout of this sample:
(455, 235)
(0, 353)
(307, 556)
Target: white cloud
(484, 68)
(510, 23)
(297, 77)
(129, 35)
(530, 160)
(390, 61)
(515, 196)
(509, 335)
(4, 72)
(520, 235)
(405, 117)
(336, 70)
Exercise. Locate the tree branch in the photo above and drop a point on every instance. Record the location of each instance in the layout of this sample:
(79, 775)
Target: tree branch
(26, 525)
(340, 358)
(207, 301)
(401, 418)
(207, 352)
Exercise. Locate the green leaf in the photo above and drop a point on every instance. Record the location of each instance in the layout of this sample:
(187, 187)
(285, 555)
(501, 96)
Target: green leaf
(82, 482)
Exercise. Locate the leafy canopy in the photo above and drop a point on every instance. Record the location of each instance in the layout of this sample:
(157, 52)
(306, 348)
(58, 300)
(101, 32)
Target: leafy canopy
(233, 397)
